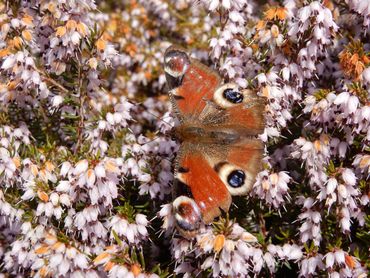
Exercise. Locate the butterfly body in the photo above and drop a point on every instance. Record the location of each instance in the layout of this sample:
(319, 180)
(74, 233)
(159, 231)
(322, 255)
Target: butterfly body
(220, 154)
(198, 135)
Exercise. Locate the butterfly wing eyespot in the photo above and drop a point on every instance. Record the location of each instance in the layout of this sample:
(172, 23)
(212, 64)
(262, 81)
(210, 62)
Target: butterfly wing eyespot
(221, 94)
(233, 96)
(187, 214)
(176, 63)
(243, 108)
(229, 95)
(237, 180)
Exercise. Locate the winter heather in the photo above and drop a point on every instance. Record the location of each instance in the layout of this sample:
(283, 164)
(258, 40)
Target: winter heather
(87, 158)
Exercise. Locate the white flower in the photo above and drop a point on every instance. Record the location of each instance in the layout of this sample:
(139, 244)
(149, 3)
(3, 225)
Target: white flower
(331, 185)
(81, 167)
(57, 100)
(29, 194)
(339, 257)
(213, 5)
(75, 38)
(56, 260)
(54, 198)
(8, 63)
(329, 259)
(366, 75)
(141, 219)
(63, 186)
(66, 166)
(100, 171)
(261, 79)
(353, 103)
(349, 177)
(226, 4)
(65, 199)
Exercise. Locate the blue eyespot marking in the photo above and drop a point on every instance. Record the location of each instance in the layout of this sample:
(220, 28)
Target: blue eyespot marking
(187, 214)
(236, 178)
(233, 96)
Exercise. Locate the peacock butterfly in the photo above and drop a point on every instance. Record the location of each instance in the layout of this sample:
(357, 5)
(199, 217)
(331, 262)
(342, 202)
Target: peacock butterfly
(220, 154)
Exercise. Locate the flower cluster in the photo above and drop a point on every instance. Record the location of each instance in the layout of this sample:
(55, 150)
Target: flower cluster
(86, 160)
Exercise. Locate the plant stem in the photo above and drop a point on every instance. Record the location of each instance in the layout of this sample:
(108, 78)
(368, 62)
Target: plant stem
(46, 78)
(82, 96)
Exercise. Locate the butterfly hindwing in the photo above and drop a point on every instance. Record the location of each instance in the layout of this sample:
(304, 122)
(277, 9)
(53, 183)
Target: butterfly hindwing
(205, 180)
(206, 188)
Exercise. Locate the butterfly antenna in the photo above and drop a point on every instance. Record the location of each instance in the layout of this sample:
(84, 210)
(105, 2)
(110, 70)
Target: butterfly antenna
(150, 141)
(155, 138)
(136, 104)
(155, 116)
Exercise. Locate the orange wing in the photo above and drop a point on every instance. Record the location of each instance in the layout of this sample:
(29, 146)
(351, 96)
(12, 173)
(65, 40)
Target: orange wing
(206, 188)
(195, 88)
(191, 83)
(208, 174)
(205, 181)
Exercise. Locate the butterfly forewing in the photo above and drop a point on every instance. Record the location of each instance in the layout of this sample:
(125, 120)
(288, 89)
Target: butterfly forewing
(191, 83)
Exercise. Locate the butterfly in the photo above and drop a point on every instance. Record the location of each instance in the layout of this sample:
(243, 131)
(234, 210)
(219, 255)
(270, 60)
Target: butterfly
(220, 154)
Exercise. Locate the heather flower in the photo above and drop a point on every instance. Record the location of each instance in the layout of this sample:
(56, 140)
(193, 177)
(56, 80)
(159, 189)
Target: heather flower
(310, 228)
(87, 158)
(322, 29)
(362, 9)
(134, 232)
(341, 264)
(226, 250)
(272, 187)
(310, 265)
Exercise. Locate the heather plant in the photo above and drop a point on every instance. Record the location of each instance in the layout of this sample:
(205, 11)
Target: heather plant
(86, 163)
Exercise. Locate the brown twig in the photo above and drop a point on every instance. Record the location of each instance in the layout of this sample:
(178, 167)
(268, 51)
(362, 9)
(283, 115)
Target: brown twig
(82, 96)
(48, 79)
